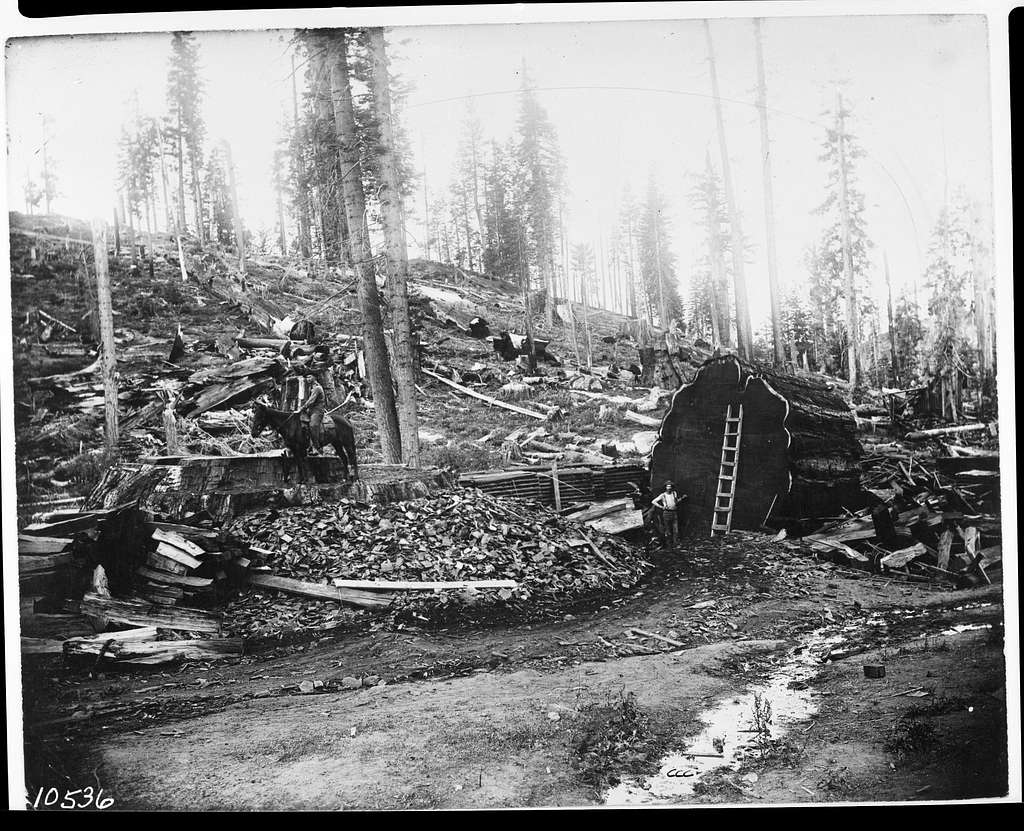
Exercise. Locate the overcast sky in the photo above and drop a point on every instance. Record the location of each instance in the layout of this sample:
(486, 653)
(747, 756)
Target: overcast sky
(918, 87)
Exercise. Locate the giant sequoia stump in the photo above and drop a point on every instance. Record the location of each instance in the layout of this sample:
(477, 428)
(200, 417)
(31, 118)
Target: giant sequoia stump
(798, 456)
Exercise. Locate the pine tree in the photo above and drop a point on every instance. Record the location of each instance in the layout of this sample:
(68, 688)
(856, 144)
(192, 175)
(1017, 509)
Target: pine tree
(656, 260)
(908, 334)
(538, 177)
(840, 266)
(219, 198)
(713, 295)
(499, 256)
(185, 96)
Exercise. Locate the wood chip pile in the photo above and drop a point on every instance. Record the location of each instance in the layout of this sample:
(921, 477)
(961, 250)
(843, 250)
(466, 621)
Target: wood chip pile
(458, 536)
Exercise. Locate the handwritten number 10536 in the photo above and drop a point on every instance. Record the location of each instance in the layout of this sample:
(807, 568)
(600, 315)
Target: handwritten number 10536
(72, 800)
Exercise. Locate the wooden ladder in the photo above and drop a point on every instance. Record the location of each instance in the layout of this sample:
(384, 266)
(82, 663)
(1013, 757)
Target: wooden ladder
(725, 490)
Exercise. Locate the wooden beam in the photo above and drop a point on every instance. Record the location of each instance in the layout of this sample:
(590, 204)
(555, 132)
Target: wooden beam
(154, 651)
(178, 541)
(492, 401)
(637, 418)
(108, 356)
(28, 544)
(174, 579)
(42, 562)
(367, 600)
(423, 585)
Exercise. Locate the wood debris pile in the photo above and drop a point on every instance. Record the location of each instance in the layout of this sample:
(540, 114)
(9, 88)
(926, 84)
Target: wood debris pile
(937, 517)
(457, 536)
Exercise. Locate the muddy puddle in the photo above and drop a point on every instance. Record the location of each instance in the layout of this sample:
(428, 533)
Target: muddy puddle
(732, 729)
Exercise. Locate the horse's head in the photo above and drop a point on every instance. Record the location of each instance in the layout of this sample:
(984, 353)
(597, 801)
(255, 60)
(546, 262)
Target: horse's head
(259, 419)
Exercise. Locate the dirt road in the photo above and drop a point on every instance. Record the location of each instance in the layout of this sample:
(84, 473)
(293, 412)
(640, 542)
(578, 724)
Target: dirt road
(581, 711)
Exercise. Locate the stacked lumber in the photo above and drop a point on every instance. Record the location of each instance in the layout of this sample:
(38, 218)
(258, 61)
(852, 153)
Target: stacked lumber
(613, 516)
(180, 567)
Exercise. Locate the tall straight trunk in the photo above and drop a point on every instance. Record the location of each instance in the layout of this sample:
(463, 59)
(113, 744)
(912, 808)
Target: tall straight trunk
(744, 333)
(149, 237)
(390, 197)
(182, 225)
(848, 278)
(326, 163)
(426, 214)
(469, 234)
(476, 196)
(168, 213)
(46, 171)
(893, 360)
(300, 186)
(236, 219)
(282, 234)
(117, 230)
(197, 195)
(108, 357)
(662, 304)
(374, 347)
(769, 201)
(721, 324)
(586, 318)
(632, 269)
(524, 279)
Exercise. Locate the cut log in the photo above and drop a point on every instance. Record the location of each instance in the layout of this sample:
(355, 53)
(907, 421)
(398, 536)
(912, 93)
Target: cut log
(42, 563)
(239, 369)
(225, 395)
(182, 530)
(492, 401)
(945, 431)
(945, 543)
(174, 579)
(367, 600)
(178, 541)
(417, 585)
(133, 612)
(153, 651)
(900, 558)
(172, 552)
(162, 563)
(637, 418)
(28, 544)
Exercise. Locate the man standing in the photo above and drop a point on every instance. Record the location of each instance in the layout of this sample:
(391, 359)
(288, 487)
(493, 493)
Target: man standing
(668, 502)
(312, 412)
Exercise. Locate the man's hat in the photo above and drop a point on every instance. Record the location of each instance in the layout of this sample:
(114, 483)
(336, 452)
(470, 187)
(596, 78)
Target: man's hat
(669, 485)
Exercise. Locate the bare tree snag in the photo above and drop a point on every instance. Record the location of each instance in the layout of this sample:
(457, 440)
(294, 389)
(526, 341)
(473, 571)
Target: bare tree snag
(107, 355)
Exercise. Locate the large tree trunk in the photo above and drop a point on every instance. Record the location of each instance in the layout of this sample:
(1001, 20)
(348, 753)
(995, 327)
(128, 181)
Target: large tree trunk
(197, 195)
(236, 219)
(848, 277)
(168, 211)
(108, 357)
(182, 225)
(327, 166)
(769, 201)
(894, 369)
(375, 349)
(720, 328)
(300, 188)
(390, 197)
(744, 333)
(662, 304)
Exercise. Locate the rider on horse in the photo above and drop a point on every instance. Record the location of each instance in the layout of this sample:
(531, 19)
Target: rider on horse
(312, 412)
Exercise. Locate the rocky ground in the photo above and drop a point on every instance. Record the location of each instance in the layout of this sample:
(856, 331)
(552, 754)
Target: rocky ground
(576, 711)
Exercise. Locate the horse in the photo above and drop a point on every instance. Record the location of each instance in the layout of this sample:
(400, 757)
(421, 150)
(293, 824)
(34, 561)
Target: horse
(336, 431)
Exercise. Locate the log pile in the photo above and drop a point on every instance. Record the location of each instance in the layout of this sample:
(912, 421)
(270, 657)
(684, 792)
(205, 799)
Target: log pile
(933, 521)
(183, 565)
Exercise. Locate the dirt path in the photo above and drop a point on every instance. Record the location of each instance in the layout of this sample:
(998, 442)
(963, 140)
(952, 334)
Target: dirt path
(557, 713)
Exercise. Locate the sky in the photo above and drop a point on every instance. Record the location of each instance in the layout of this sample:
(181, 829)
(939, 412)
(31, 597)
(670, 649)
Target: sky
(628, 99)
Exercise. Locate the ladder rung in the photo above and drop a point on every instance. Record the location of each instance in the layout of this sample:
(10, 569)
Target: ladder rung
(729, 478)
(719, 527)
(737, 420)
(721, 495)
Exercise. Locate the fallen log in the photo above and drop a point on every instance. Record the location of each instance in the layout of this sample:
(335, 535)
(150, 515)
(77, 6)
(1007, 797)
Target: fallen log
(182, 530)
(153, 651)
(945, 431)
(662, 638)
(598, 510)
(637, 418)
(134, 612)
(492, 401)
(41, 646)
(367, 600)
(423, 585)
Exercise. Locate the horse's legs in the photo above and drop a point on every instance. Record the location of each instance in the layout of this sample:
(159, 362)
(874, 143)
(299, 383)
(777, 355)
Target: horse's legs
(339, 451)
